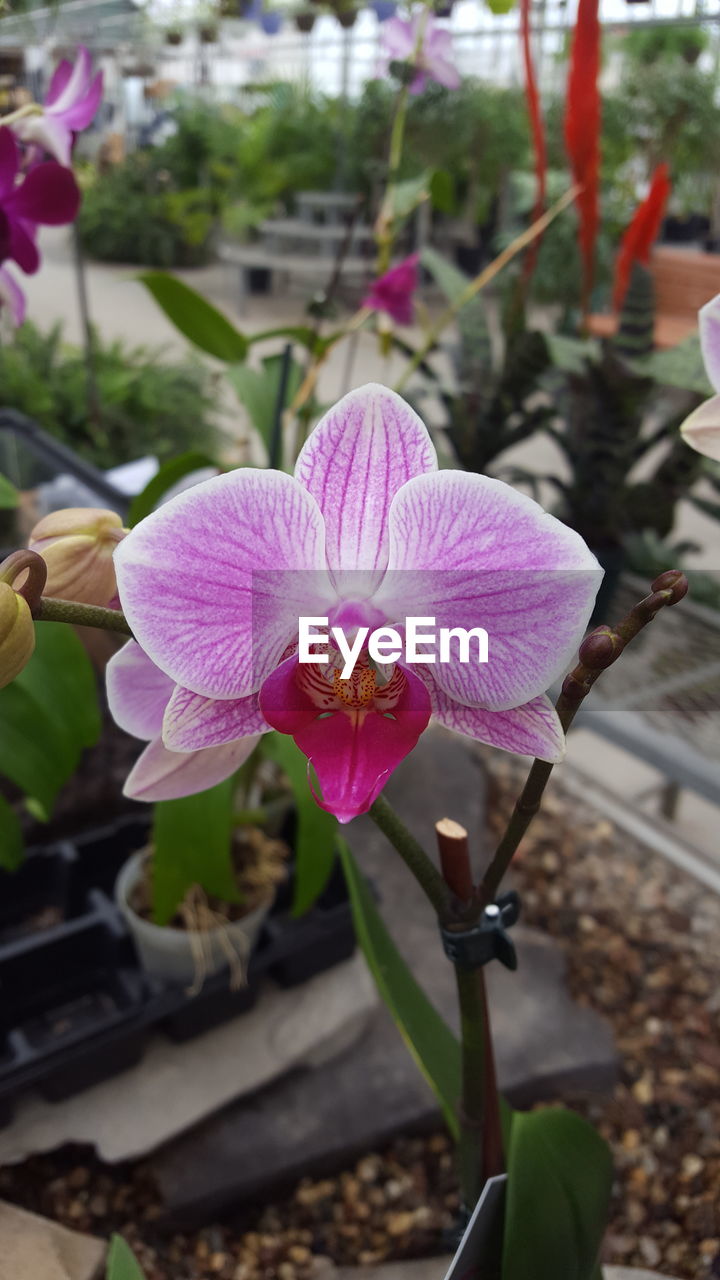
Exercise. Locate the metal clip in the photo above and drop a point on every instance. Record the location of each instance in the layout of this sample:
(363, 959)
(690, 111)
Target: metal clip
(488, 939)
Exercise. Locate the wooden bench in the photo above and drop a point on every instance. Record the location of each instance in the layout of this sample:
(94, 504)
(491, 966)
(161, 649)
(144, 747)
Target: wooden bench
(685, 280)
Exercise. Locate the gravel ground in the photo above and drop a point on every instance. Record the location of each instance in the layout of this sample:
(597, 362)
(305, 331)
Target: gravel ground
(643, 946)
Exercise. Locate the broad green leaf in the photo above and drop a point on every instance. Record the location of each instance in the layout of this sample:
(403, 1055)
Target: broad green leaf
(32, 752)
(192, 846)
(60, 676)
(449, 278)
(680, 366)
(428, 1037)
(11, 841)
(195, 318)
(316, 836)
(571, 354)
(121, 1264)
(410, 193)
(442, 191)
(8, 495)
(168, 475)
(257, 390)
(559, 1182)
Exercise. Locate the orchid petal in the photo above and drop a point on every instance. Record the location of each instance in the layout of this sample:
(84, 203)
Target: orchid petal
(701, 430)
(137, 692)
(82, 113)
(473, 552)
(61, 75)
(214, 581)
(12, 296)
(48, 195)
(709, 323)
(353, 751)
(532, 729)
(9, 162)
(22, 248)
(75, 86)
(398, 38)
(193, 723)
(160, 774)
(49, 133)
(357, 458)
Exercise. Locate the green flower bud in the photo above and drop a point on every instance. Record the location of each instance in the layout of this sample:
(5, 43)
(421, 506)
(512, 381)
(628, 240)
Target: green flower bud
(17, 634)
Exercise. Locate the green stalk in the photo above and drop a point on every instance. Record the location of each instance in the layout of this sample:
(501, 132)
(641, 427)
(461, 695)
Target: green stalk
(413, 855)
(82, 615)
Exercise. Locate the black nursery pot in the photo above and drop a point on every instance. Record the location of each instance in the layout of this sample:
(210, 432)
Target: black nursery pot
(76, 1006)
(259, 279)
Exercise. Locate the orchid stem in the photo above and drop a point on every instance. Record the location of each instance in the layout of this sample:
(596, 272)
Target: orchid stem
(82, 615)
(30, 109)
(412, 854)
(484, 278)
(598, 651)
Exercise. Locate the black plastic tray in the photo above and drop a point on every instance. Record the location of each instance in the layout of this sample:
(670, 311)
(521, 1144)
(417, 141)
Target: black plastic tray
(76, 1007)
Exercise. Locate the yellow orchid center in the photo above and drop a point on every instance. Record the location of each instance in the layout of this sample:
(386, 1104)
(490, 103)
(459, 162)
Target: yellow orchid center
(359, 690)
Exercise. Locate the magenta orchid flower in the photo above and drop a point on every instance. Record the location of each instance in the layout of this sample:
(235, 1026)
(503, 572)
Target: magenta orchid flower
(432, 60)
(701, 429)
(393, 292)
(138, 695)
(367, 532)
(47, 196)
(71, 103)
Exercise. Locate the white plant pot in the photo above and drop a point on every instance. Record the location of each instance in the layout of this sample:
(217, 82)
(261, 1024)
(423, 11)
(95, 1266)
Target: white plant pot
(171, 954)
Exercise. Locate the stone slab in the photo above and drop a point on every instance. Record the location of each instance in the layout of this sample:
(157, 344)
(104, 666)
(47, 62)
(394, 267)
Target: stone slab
(32, 1248)
(311, 1123)
(177, 1085)
(436, 1268)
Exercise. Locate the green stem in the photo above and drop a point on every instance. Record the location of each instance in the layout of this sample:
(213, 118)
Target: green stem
(30, 109)
(413, 855)
(451, 312)
(82, 615)
(472, 1106)
(598, 651)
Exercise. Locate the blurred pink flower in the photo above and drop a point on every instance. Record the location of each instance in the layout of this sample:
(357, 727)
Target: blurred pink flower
(433, 59)
(702, 429)
(46, 196)
(71, 103)
(394, 291)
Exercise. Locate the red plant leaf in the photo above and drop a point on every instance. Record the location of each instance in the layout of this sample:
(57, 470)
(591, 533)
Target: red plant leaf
(642, 232)
(582, 132)
(537, 130)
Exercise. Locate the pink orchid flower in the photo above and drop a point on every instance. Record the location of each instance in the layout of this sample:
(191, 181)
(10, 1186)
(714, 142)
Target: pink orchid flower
(71, 103)
(394, 291)
(367, 532)
(432, 61)
(138, 696)
(701, 429)
(48, 195)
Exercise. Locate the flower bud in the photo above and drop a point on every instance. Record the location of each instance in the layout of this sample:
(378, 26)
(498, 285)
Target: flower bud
(672, 580)
(17, 634)
(77, 546)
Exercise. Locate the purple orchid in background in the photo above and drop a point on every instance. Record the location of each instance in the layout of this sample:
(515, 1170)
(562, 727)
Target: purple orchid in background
(71, 103)
(47, 196)
(366, 532)
(701, 429)
(394, 291)
(138, 696)
(432, 60)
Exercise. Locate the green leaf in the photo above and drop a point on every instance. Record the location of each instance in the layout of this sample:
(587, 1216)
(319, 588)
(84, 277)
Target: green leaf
(121, 1264)
(48, 715)
(192, 845)
(195, 318)
(410, 193)
(680, 366)
(500, 6)
(431, 1042)
(168, 475)
(316, 836)
(571, 354)
(301, 334)
(442, 191)
(258, 389)
(8, 495)
(449, 278)
(559, 1182)
(11, 841)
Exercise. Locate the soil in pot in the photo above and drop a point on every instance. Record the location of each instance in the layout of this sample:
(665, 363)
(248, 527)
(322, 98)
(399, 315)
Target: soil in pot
(205, 935)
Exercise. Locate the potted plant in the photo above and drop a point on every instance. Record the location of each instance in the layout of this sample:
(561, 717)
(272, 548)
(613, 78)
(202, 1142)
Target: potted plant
(305, 20)
(271, 22)
(174, 36)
